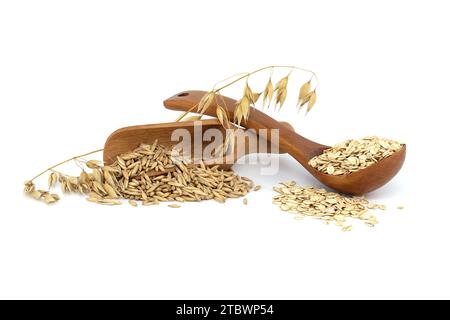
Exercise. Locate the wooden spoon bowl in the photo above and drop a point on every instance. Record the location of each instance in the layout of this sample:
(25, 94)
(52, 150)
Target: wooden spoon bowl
(302, 149)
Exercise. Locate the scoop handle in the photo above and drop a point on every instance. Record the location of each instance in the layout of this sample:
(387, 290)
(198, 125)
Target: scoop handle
(297, 146)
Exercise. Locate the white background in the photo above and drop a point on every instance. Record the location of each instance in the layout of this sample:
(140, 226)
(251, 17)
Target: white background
(71, 72)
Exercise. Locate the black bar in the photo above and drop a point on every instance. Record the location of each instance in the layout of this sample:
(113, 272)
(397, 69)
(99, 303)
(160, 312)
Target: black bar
(208, 309)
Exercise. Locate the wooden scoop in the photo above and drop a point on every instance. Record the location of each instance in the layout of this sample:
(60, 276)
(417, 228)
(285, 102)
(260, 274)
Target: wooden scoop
(302, 149)
(129, 138)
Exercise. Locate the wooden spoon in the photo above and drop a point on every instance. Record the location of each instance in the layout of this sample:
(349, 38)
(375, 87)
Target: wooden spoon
(302, 149)
(129, 138)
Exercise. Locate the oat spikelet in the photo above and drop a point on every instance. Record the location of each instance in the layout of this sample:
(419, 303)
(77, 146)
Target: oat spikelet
(43, 195)
(50, 198)
(281, 98)
(242, 110)
(256, 96)
(268, 93)
(222, 116)
(238, 113)
(84, 178)
(206, 102)
(304, 91)
(93, 164)
(311, 101)
(52, 179)
(246, 108)
(253, 97)
(281, 90)
(28, 187)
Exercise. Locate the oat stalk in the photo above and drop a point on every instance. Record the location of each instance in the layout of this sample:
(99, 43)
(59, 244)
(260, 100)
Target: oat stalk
(249, 98)
(64, 162)
(149, 174)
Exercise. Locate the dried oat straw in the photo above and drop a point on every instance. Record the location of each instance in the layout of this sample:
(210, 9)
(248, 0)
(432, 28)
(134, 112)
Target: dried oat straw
(307, 95)
(330, 207)
(354, 155)
(140, 176)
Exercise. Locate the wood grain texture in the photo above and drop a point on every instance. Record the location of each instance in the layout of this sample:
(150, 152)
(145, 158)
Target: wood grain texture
(302, 149)
(129, 138)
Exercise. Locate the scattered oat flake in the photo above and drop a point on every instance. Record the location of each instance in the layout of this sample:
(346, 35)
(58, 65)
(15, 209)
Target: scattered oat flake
(175, 206)
(400, 207)
(245, 201)
(347, 228)
(329, 207)
(257, 188)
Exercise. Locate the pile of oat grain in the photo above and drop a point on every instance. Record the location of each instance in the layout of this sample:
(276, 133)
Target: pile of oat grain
(141, 175)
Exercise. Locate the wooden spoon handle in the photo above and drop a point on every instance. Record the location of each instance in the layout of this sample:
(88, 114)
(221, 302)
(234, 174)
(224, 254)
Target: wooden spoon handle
(297, 146)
